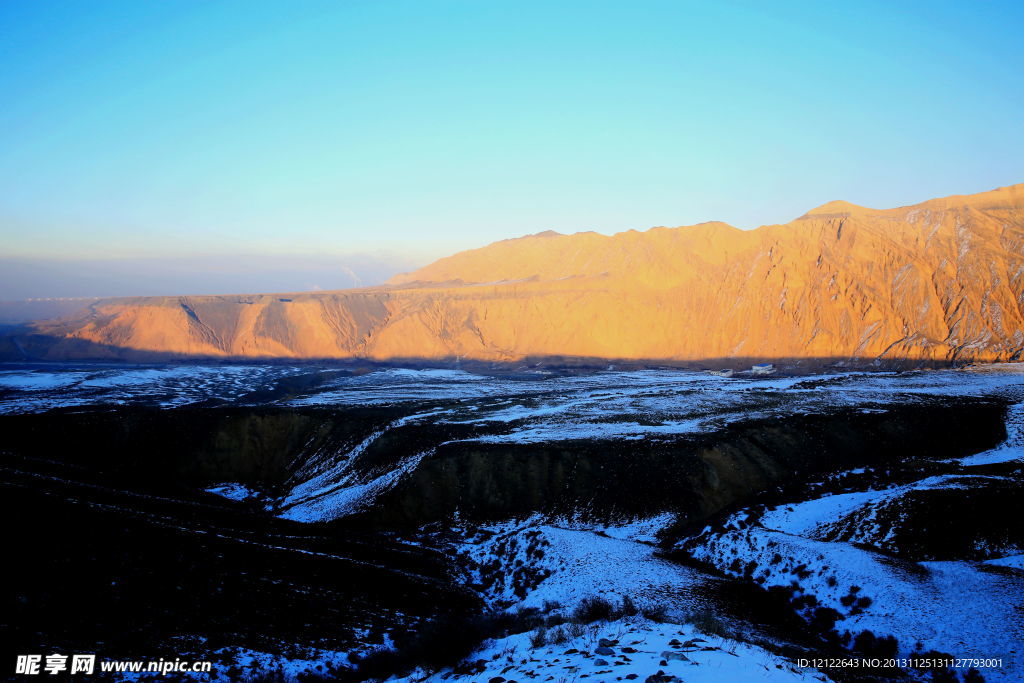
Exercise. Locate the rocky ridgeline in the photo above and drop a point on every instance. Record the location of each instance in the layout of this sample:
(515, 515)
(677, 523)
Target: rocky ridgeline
(937, 282)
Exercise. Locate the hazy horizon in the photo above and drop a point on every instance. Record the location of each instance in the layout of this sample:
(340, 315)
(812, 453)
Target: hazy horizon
(23, 278)
(223, 147)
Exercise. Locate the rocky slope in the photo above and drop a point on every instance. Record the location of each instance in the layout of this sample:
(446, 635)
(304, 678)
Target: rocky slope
(940, 281)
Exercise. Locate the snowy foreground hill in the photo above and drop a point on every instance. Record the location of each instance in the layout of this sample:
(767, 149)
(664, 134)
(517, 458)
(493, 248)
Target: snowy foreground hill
(324, 523)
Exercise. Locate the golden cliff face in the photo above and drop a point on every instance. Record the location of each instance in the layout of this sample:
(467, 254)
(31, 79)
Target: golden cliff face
(939, 281)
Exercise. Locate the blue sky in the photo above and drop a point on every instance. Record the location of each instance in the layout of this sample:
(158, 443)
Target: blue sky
(179, 130)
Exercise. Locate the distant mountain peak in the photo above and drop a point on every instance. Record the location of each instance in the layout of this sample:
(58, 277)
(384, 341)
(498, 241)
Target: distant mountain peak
(836, 207)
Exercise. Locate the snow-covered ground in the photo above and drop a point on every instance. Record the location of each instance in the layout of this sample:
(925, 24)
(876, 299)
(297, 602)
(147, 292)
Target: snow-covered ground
(233, 491)
(958, 608)
(534, 564)
(1015, 561)
(47, 386)
(628, 406)
(630, 649)
(329, 487)
(553, 568)
(527, 407)
(818, 518)
(338, 491)
(633, 648)
(965, 609)
(1010, 450)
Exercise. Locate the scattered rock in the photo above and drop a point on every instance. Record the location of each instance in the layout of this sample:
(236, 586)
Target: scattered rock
(678, 656)
(600, 662)
(605, 650)
(660, 677)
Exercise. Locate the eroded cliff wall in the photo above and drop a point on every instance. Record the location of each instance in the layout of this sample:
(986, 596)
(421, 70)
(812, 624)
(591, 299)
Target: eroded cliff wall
(940, 281)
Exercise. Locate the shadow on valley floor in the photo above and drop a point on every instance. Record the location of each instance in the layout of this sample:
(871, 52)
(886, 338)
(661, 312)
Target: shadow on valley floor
(111, 565)
(455, 467)
(21, 343)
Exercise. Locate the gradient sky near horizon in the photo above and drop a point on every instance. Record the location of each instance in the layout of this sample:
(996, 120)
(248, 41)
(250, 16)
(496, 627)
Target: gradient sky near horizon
(167, 132)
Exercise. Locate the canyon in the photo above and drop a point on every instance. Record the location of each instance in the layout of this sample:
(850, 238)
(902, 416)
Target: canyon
(353, 524)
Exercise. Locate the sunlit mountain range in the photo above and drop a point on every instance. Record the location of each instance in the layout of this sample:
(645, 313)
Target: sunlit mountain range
(940, 281)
